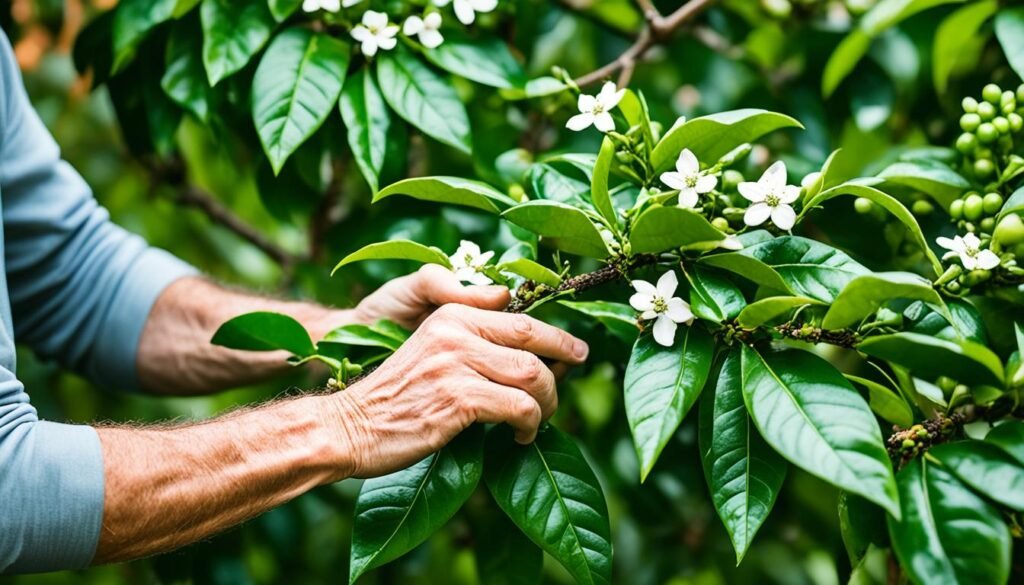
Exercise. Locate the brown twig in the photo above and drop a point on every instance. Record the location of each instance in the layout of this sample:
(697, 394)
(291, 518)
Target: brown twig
(656, 30)
(531, 293)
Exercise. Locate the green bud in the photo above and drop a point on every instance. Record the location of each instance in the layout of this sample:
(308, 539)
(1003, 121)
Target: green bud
(986, 111)
(983, 169)
(969, 104)
(922, 207)
(1010, 231)
(1016, 121)
(970, 122)
(993, 203)
(953, 287)
(731, 178)
(983, 152)
(863, 205)
(908, 443)
(987, 133)
(974, 206)
(956, 209)
(946, 384)
(1005, 142)
(991, 93)
(922, 434)
(720, 223)
(1001, 124)
(517, 192)
(987, 225)
(777, 8)
(737, 154)
(1008, 107)
(967, 142)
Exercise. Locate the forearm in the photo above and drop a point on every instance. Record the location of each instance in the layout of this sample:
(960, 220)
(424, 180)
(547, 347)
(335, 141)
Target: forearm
(169, 486)
(175, 354)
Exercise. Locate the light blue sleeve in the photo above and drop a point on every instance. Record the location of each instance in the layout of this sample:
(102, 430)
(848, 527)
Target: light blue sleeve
(81, 289)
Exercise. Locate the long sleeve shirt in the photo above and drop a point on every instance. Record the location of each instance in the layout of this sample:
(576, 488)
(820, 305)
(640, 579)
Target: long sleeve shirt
(76, 288)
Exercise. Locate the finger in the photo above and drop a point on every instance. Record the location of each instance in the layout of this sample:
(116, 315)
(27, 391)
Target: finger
(524, 332)
(439, 286)
(495, 403)
(518, 369)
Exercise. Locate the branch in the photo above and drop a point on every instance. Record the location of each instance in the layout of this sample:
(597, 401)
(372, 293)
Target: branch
(657, 29)
(530, 293)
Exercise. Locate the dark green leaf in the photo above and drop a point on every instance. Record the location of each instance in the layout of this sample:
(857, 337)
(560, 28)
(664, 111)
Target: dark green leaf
(957, 30)
(618, 318)
(562, 226)
(282, 9)
(184, 80)
(930, 357)
(986, 468)
(861, 525)
(486, 60)
(712, 296)
(865, 294)
(366, 123)
(233, 32)
(886, 402)
(710, 137)
(599, 183)
(548, 183)
(451, 190)
(397, 250)
(662, 228)
(929, 176)
(264, 331)
(760, 312)
(134, 20)
(1009, 436)
(504, 555)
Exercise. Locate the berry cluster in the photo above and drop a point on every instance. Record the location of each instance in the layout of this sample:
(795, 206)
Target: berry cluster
(976, 212)
(989, 128)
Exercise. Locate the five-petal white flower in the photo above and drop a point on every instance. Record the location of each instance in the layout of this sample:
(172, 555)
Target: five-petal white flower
(656, 302)
(968, 248)
(428, 28)
(375, 33)
(689, 179)
(595, 109)
(771, 197)
(465, 10)
(468, 262)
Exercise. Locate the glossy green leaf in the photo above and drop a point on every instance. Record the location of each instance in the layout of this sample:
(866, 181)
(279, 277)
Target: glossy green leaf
(885, 201)
(546, 182)
(282, 9)
(367, 121)
(296, 85)
(423, 98)
(760, 312)
(929, 357)
(750, 268)
(841, 63)
(385, 335)
(928, 176)
(957, 30)
(233, 32)
(450, 190)
(184, 80)
(549, 491)
(265, 331)
(813, 417)
(661, 385)
(885, 402)
(396, 513)
(620, 319)
(861, 524)
(744, 474)
(710, 137)
(503, 554)
(397, 250)
(1009, 436)
(133, 21)
(485, 60)
(712, 296)
(948, 535)
(986, 468)
(634, 107)
(531, 270)
(562, 226)
(599, 184)
(865, 294)
(1009, 26)
(662, 228)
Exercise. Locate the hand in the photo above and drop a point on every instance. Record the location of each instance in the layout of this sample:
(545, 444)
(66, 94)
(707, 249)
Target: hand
(411, 299)
(463, 365)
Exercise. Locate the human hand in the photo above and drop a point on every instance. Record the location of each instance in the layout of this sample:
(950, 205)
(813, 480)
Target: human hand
(462, 366)
(411, 299)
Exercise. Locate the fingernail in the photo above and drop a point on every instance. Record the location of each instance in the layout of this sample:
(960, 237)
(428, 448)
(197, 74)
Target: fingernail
(580, 349)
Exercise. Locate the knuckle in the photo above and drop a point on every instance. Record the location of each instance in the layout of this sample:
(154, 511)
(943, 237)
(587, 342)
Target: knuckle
(523, 327)
(528, 367)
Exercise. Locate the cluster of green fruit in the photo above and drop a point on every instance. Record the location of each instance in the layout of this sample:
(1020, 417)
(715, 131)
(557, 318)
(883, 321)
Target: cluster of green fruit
(989, 127)
(781, 9)
(975, 212)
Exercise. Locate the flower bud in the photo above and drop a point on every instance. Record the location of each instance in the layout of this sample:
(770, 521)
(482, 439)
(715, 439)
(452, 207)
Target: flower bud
(970, 122)
(967, 142)
(737, 154)
(863, 206)
(986, 111)
(993, 203)
(987, 133)
(983, 169)
(956, 209)
(922, 207)
(992, 93)
(731, 178)
(987, 225)
(1009, 231)
(974, 206)
(969, 104)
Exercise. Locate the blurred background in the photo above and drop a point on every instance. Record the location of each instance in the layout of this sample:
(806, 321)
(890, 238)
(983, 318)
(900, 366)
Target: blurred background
(741, 53)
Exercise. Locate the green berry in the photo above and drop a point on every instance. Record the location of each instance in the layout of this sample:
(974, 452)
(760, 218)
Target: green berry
(974, 206)
(987, 225)
(720, 223)
(908, 443)
(953, 287)
(1020, 93)
(863, 205)
(983, 152)
(922, 434)
(956, 209)
(987, 133)
(970, 122)
(1016, 121)
(1005, 142)
(1010, 231)
(946, 383)
(983, 169)
(969, 104)
(993, 203)
(991, 93)
(1007, 107)
(1001, 124)
(967, 142)
(986, 110)
(922, 207)
(731, 178)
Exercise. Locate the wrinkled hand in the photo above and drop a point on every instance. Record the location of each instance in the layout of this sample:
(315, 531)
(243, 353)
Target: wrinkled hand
(463, 365)
(411, 299)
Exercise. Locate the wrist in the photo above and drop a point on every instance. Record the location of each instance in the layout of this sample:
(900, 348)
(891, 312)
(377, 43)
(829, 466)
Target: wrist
(345, 432)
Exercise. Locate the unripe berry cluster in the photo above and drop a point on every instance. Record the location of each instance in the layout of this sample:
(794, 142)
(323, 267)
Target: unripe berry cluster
(990, 128)
(975, 212)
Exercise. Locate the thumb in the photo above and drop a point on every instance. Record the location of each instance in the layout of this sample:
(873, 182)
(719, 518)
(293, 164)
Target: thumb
(439, 286)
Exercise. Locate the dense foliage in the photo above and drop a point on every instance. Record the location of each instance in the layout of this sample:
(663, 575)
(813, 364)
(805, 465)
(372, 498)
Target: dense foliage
(769, 315)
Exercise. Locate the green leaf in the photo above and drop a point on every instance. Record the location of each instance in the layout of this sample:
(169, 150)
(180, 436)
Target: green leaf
(133, 21)
(957, 30)
(385, 334)
(1014, 203)
(885, 402)
(422, 98)
(397, 250)
(760, 312)
(233, 32)
(885, 201)
(710, 137)
(503, 554)
(486, 60)
(282, 9)
(861, 524)
(929, 357)
(928, 176)
(265, 331)
(396, 513)
(661, 385)
(813, 417)
(532, 271)
(987, 469)
(840, 64)
(750, 268)
(865, 294)
(295, 87)
(549, 491)
(184, 80)
(562, 226)
(662, 228)
(620, 319)
(451, 190)
(548, 183)
(599, 184)
(634, 107)
(744, 474)
(948, 534)
(366, 123)
(1009, 25)
(712, 296)
(1009, 436)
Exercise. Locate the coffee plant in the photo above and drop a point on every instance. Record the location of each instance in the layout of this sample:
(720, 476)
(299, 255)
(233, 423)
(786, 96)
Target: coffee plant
(765, 303)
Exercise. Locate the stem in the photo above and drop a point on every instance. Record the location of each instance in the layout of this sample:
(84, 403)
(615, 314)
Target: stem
(531, 293)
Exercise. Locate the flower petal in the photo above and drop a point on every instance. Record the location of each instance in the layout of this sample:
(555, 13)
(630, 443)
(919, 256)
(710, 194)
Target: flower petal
(641, 301)
(369, 46)
(388, 32)
(480, 279)
(360, 33)
(687, 163)
(585, 103)
(331, 5)
(971, 241)
(310, 5)
(705, 183)
(969, 262)
(667, 284)
(757, 214)
(642, 286)
(484, 5)
(789, 194)
(373, 19)
(648, 315)
(350, 3)
(987, 260)
(754, 192)
(412, 26)
(431, 39)
(432, 20)
(580, 121)
(664, 331)
(673, 180)
(484, 258)
(464, 11)
(679, 310)
(784, 217)
(774, 176)
(688, 198)
(604, 122)
(949, 244)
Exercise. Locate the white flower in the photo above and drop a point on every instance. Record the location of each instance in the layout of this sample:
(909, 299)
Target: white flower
(465, 10)
(968, 248)
(689, 179)
(375, 32)
(771, 197)
(468, 262)
(594, 109)
(427, 28)
(657, 302)
(314, 5)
